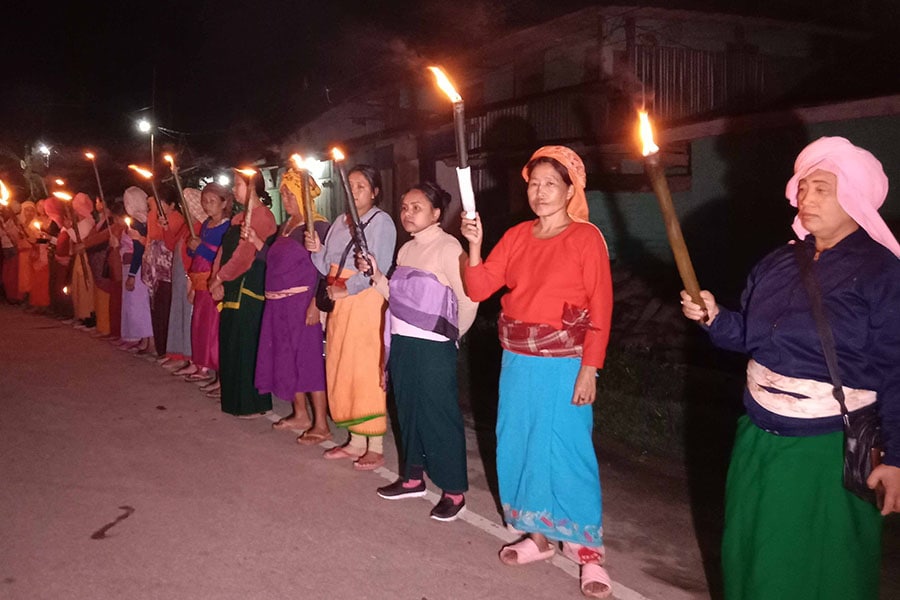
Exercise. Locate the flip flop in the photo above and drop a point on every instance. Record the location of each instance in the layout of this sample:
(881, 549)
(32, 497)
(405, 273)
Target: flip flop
(594, 573)
(254, 415)
(284, 424)
(339, 452)
(369, 466)
(526, 551)
(311, 438)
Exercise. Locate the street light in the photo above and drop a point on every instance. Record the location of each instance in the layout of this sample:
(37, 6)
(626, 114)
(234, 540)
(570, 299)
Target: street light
(145, 126)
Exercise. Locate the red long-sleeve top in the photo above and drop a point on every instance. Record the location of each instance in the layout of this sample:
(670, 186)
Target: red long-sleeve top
(542, 275)
(263, 222)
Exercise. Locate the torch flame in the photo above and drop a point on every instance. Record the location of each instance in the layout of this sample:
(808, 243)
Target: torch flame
(36, 224)
(59, 182)
(145, 173)
(648, 147)
(63, 195)
(337, 155)
(298, 160)
(4, 194)
(89, 155)
(446, 86)
(128, 222)
(168, 158)
(247, 172)
(66, 290)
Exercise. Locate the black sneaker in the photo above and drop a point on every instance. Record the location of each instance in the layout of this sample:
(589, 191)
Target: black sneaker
(396, 491)
(445, 510)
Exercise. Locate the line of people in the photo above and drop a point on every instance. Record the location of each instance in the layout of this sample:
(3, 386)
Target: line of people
(253, 309)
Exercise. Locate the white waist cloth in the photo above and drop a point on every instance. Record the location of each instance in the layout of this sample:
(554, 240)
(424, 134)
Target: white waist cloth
(816, 399)
(287, 293)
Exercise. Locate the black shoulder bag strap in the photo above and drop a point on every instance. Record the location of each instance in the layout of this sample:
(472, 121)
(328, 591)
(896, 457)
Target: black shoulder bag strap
(825, 333)
(350, 243)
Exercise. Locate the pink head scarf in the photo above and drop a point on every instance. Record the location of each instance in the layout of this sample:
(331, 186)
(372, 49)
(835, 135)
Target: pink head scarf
(195, 208)
(53, 206)
(83, 205)
(578, 208)
(861, 189)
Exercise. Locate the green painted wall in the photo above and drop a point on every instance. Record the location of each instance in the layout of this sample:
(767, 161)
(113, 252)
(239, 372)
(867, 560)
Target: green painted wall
(735, 211)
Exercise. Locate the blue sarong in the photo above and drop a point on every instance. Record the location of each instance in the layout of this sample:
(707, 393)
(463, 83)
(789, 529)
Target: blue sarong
(546, 464)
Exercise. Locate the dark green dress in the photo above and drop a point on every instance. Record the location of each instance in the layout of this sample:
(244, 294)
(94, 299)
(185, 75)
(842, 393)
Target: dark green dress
(239, 325)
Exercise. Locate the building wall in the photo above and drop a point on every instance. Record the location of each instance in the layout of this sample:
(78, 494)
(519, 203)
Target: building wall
(735, 211)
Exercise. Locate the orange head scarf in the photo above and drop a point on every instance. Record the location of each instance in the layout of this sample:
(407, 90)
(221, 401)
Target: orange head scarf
(293, 180)
(578, 207)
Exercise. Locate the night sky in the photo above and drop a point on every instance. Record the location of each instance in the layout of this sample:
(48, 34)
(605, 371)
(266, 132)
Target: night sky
(81, 75)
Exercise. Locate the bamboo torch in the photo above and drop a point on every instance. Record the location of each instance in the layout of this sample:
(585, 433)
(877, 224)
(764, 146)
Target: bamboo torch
(463, 171)
(673, 228)
(360, 237)
(91, 157)
(148, 175)
(67, 201)
(248, 173)
(307, 200)
(184, 208)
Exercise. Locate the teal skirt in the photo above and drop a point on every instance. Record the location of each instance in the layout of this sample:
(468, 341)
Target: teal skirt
(546, 463)
(792, 532)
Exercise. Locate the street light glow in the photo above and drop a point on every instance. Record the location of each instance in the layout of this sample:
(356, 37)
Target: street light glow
(44, 149)
(224, 180)
(144, 126)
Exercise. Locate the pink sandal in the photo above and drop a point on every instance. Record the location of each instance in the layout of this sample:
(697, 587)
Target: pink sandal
(594, 573)
(526, 551)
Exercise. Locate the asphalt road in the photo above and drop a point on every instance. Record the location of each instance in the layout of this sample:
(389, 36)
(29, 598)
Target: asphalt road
(118, 480)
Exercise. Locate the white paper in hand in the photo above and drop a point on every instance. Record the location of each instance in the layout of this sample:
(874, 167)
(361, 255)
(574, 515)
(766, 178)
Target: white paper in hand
(466, 194)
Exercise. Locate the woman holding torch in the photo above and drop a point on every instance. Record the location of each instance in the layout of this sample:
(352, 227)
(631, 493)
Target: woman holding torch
(554, 327)
(239, 284)
(430, 312)
(217, 201)
(290, 362)
(137, 327)
(791, 528)
(354, 333)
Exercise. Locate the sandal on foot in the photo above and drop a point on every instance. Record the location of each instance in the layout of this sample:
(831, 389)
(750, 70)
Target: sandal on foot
(339, 452)
(254, 415)
(195, 377)
(523, 552)
(311, 438)
(214, 394)
(287, 424)
(592, 573)
(374, 461)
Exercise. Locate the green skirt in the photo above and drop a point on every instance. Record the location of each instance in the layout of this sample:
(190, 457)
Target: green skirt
(792, 532)
(238, 342)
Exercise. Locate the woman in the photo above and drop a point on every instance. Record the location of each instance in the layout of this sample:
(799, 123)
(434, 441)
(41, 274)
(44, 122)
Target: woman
(216, 201)
(791, 529)
(137, 327)
(60, 302)
(290, 362)
(40, 261)
(354, 332)
(177, 237)
(28, 237)
(9, 241)
(81, 288)
(97, 250)
(429, 312)
(156, 270)
(238, 282)
(114, 267)
(554, 328)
